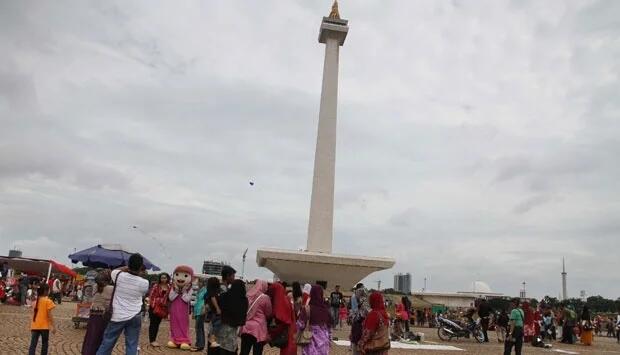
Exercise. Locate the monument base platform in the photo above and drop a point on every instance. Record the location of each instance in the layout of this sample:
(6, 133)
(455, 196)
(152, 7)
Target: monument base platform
(306, 266)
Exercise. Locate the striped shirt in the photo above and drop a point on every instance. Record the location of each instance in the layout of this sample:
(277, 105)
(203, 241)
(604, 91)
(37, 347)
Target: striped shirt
(127, 301)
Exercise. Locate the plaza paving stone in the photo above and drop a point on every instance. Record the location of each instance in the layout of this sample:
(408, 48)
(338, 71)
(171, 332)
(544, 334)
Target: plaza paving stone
(15, 337)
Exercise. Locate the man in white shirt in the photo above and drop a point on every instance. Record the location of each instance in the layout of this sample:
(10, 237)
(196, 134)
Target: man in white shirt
(130, 288)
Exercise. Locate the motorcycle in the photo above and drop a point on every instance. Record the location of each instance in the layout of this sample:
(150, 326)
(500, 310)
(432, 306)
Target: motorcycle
(448, 329)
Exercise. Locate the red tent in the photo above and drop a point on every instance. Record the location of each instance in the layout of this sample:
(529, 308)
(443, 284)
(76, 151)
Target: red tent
(40, 267)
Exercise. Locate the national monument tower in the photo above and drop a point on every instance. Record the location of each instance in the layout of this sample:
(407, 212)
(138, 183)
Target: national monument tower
(317, 263)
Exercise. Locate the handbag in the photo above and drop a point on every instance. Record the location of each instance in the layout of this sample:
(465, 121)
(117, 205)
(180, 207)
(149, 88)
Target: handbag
(107, 315)
(305, 336)
(380, 340)
(278, 334)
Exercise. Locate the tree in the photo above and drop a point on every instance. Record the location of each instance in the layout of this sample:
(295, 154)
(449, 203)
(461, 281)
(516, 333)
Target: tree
(551, 301)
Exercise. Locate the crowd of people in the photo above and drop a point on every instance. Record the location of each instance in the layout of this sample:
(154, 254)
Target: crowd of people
(295, 319)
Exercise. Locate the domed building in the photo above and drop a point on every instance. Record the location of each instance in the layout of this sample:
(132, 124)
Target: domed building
(461, 299)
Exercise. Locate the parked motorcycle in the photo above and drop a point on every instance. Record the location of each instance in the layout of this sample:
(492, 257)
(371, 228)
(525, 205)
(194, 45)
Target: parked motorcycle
(448, 329)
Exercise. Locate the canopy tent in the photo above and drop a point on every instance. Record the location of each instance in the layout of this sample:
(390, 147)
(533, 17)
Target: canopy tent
(37, 266)
(107, 256)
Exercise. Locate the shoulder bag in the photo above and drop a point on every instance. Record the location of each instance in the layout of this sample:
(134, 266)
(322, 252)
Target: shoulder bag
(304, 337)
(107, 315)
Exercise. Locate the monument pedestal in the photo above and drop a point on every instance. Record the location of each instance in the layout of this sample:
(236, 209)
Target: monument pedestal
(307, 266)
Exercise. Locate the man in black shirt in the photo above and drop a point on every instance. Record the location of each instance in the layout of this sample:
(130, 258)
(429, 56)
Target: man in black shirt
(334, 301)
(484, 311)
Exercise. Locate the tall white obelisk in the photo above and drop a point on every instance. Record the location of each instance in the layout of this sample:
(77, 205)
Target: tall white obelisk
(564, 293)
(317, 263)
(320, 226)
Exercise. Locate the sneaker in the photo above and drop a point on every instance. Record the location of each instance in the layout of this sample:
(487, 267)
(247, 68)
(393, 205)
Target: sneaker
(214, 344)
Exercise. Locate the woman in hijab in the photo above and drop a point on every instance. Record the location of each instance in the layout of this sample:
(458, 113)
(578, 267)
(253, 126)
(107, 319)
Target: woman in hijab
(586, 326)
(358, 315)
(96, 321)
(234, 304)
(376, 322)
(284, 318)
(528, 322)
(318, 317)
(254, 333)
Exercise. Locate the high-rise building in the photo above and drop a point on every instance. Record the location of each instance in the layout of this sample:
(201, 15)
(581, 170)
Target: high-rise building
(14, 253)
(210, 267)
(402, 283)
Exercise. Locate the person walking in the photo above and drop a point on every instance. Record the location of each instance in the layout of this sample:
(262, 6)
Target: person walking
(200, 311)
(234, 310)
(42, 321)
(514, 337)
(484, 312)
(96, 321)
(254, 333)
(375, 337)
(130, 287)
(317, 316)
(335, 298)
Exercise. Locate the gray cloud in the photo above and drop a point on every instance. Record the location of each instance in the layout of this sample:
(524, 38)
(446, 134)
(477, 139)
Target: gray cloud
(476, 141)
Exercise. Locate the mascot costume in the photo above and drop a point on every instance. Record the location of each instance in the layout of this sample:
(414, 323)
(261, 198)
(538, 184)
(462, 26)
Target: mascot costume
(180, 297)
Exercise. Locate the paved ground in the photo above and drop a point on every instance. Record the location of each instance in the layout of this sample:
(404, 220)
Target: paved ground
(15, 337)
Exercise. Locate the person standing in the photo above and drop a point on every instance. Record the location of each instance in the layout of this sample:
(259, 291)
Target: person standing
(334, 301)
(23, 289)
(515, 332)
(406, 312)
(284, 318)
(375, 337)
(484, 312)
(297, 298)
(568, 322)
(586, 326)
(234, 310)
(42, 321)
(317, 316)
(199, 315)
(501, 326)
(130, 287)
(158, 306)
(57, 290)
(359, 311)
(254, 333)
(528, 328)
(96, 321)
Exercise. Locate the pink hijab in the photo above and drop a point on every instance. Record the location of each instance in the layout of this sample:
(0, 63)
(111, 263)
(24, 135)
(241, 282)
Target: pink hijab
(260, 287)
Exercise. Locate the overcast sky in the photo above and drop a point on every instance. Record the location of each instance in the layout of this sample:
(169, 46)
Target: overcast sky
(477, 140)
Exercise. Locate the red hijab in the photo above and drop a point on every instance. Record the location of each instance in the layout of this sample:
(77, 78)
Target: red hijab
(377, 312)
(280, 304)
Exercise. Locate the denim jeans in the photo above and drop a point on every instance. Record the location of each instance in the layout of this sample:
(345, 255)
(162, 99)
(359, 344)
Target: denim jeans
(200, 332)
(34, 340)
(131, 328)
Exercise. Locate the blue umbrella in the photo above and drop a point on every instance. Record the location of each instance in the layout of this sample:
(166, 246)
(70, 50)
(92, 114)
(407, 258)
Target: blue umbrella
(106, 257)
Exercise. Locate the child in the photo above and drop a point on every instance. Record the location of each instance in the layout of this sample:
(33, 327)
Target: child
(214, 313)
(343, 314)
(42, 321)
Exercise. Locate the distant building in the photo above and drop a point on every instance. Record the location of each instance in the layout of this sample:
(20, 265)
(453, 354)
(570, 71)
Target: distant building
(14, 253)
(402, 283)
(210, 267)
